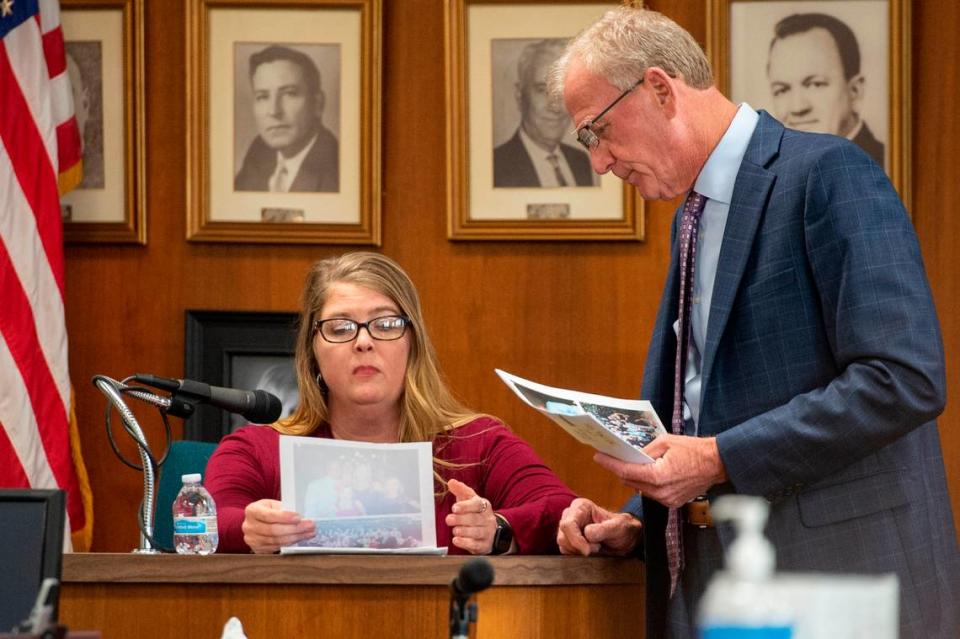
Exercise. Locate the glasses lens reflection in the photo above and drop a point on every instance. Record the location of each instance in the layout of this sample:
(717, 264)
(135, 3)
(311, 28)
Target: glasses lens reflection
(339, 329)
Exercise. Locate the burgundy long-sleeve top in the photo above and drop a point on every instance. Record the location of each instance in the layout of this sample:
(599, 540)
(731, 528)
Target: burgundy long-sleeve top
(498, 465)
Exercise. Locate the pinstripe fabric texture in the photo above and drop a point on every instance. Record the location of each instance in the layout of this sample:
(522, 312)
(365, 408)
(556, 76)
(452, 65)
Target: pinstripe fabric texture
(822, 375)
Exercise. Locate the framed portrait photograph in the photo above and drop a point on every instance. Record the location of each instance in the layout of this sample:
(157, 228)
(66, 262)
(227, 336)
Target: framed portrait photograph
(515, 170)
(247, 350)
(828, 66)
(104, 53)
(283, 134)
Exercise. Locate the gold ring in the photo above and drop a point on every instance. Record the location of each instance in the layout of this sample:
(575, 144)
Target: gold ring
(483, 506)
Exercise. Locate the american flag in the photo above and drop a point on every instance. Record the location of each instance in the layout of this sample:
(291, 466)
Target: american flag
(40, 154)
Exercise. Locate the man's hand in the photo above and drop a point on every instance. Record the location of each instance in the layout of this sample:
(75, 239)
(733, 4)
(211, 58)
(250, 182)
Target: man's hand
(685, 468)
(587, 529)
(267, 527)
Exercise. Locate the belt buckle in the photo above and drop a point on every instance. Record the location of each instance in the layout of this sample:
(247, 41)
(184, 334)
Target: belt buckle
(698, 512)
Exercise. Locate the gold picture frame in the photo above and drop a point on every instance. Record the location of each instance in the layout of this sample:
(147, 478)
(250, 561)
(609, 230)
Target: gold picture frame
(230, 197)
(881, 36)
(493, 191)
(105, 57)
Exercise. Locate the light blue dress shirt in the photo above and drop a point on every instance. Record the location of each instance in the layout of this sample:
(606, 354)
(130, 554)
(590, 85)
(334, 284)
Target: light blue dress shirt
(716, 182)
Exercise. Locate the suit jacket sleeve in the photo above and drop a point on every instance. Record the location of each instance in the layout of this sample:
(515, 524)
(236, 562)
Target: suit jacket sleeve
(861, 311)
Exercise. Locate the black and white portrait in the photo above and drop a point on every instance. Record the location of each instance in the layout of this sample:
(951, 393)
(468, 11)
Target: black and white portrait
(816, 66)
(286, 115)
(85, 70)
(533, 141)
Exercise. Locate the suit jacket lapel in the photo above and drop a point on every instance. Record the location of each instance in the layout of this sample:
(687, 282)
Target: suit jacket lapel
(747, 205)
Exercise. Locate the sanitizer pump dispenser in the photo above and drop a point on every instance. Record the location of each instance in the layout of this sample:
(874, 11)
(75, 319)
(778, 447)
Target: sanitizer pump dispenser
(739, 602)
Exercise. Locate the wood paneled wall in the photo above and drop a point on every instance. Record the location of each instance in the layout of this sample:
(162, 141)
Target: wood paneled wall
(569, 314)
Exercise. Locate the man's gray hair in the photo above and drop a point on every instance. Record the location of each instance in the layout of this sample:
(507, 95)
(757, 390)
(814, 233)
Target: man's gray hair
(625, 42)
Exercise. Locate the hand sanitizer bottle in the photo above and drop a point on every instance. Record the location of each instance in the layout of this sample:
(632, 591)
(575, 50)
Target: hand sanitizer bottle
(740, 602)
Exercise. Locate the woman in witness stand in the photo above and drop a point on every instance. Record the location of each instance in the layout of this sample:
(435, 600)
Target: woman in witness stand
(367, 372)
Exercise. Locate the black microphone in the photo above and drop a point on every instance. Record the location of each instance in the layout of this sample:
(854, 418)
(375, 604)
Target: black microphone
(257, 406)
(474, 576)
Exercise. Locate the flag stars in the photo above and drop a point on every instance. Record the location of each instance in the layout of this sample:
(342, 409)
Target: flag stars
(6, 8)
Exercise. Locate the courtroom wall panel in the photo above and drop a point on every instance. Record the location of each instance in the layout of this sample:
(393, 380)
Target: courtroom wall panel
(575, 314)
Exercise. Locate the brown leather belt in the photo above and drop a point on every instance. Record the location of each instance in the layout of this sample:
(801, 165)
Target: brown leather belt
(697, 512)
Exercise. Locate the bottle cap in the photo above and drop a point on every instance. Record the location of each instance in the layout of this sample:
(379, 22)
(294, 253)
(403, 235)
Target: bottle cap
(191, 478)
(751, 555)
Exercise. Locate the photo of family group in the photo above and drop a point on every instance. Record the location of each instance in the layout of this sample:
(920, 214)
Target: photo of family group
(361, 495)
(358, 483)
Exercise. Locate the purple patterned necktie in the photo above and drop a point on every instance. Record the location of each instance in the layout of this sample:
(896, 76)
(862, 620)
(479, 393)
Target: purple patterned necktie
(689, 230)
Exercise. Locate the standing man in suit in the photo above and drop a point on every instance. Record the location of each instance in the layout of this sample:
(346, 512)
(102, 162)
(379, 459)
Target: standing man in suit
(815, 80)
(293, 152)
(535, 155)
(814, 368)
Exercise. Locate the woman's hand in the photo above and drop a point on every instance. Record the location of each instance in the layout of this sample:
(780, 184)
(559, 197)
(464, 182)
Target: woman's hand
(471, 519)
(267, 526)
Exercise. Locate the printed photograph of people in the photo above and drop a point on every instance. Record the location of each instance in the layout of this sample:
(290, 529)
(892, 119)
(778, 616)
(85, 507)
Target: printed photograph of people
(637, 428)
(289, 142)
(360, 483)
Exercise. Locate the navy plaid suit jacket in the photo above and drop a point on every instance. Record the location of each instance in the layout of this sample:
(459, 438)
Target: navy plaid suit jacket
(822, 373)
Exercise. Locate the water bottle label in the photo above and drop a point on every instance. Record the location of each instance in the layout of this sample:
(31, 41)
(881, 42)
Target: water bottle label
(195, 525)
(746, 632)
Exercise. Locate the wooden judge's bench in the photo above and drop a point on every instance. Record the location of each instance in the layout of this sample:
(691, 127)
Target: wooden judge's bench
(128, 596)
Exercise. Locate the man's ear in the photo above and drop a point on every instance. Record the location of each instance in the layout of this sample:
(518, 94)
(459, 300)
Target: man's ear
(661, 84)
(857, 87)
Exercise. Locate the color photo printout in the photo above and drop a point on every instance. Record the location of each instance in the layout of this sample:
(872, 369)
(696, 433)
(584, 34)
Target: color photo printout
(364, 498)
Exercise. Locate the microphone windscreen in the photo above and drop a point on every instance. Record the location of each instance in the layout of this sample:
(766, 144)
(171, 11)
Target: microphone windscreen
(266, 408)
(475, 575)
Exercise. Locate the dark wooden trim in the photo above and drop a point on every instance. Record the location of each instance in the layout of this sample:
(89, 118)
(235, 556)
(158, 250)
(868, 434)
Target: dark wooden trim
(343, 569)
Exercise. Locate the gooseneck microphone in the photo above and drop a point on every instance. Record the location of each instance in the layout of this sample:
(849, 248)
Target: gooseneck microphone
(256, 406)
(474, 576)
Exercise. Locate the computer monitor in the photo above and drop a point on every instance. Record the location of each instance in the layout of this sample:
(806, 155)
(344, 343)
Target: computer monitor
(31, 549)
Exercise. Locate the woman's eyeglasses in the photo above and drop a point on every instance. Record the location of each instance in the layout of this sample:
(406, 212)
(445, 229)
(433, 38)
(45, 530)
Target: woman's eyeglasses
(340, 329)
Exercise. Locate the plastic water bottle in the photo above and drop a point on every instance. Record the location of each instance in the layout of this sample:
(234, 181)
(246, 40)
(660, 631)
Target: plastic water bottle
(194, 519)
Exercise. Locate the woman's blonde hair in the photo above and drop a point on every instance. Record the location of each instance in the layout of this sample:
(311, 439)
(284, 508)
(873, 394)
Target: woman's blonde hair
(427, 407)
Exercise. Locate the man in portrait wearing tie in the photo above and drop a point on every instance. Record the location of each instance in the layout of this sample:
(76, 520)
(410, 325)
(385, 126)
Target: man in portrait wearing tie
(815, 79)
(796, 347)
(293, 152)
(535, 156)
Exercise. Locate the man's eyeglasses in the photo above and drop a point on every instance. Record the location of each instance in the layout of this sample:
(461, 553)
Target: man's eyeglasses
(585, 133)
(340, 329)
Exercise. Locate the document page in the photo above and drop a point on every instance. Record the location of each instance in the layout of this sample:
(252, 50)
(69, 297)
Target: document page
(364, 498)
(617, 427)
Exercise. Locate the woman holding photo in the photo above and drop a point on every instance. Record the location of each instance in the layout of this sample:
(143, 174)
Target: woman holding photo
(366, 371)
